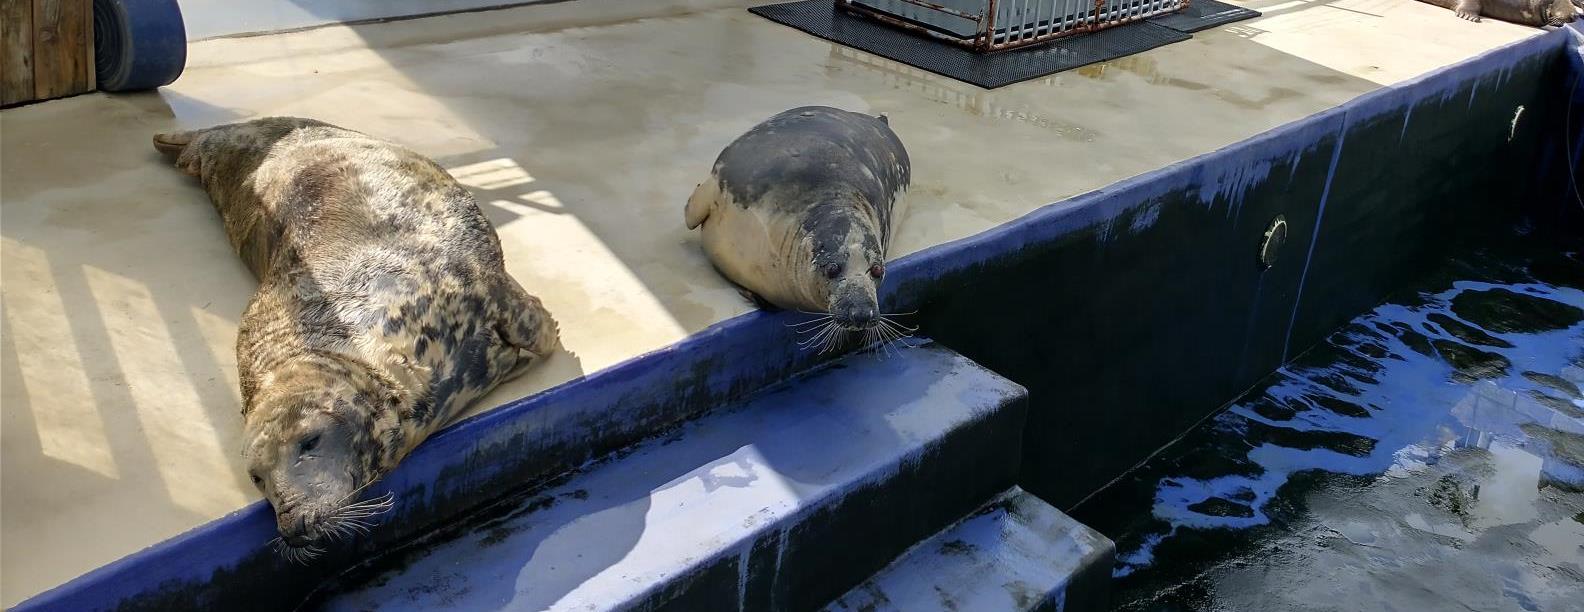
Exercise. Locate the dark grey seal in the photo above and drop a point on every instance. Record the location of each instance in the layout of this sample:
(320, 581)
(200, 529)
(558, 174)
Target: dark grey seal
(1535, 13)
(383, 310)
(800, 210)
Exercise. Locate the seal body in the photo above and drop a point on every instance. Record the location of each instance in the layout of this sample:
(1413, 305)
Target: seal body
(800, 211)
(383, 310)
(1535, 13)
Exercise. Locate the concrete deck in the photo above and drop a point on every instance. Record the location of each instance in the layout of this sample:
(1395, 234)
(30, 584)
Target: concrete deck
(582, 127)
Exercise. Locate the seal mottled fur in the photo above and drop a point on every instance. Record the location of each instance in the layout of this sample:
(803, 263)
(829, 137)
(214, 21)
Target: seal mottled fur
(801, 209)
(384, 308)
(1535, 13)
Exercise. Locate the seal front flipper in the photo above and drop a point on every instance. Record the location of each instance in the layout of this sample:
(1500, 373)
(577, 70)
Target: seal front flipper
(702, 202)
(759, 302)
(524, 323)
(1468, 9)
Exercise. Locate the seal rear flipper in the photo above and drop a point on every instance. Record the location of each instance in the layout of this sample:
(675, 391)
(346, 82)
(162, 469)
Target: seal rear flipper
(171, 144)
(702, 202)
(174, 146)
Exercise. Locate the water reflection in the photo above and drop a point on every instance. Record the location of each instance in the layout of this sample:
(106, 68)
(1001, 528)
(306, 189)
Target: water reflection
(1428, 453)
(941, 90)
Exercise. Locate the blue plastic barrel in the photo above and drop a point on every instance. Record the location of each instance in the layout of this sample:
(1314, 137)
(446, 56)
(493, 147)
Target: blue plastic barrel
(138, 44)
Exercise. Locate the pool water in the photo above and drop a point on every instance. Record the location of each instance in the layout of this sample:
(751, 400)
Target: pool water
(1428, 455)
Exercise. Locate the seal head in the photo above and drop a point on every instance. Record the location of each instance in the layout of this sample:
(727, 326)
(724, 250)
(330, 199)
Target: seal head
(845, 263)
(317, 435)
(800, 210)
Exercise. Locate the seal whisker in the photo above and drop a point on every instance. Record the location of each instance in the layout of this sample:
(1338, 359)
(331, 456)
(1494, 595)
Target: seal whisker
(355, 515)
(819, 337)
(818, 341)
(812, 322)
(377, 508)
(897, 325)
(887, 335)
(354, 492)
(835, 340)
(821, 341)
(837, 337)
(335, 533)
(882, 341)
(376, 505)
(810, 330)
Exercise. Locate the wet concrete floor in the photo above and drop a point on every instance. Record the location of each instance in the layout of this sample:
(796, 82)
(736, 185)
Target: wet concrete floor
(1429, 455)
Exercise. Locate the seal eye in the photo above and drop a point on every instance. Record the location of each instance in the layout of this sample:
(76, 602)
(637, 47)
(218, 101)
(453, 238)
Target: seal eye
(877, 271)
(256, 480)
(832, 270)
(308, 444)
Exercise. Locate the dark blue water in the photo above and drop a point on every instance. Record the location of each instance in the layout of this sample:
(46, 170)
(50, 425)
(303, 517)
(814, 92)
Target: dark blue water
(1429, 455)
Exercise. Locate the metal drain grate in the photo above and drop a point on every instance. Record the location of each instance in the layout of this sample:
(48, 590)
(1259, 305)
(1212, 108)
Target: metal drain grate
(995, 25)
(823, 18)
(989, 70)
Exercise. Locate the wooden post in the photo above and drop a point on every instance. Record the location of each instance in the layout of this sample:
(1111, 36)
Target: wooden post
(48, 49)
(16, 51)
(62, 48)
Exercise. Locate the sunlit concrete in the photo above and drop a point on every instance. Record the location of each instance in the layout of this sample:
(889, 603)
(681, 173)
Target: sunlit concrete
(582, 127)
(211, 18)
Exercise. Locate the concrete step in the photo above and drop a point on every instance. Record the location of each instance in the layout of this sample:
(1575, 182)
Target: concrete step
(1015, 553)
(783, 502)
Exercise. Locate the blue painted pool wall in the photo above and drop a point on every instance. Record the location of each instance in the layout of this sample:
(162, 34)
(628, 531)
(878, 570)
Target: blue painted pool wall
(1146, 292)
(1562, 161)
(1133, 312)
(526, 442)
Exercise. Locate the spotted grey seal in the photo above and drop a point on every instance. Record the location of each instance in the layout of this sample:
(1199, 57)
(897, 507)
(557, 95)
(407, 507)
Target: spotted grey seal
(1535, 13)
(383, 309)
(800, 210)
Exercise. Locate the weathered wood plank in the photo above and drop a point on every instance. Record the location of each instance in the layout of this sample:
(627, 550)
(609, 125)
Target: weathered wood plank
(62, 37)
(16, 51)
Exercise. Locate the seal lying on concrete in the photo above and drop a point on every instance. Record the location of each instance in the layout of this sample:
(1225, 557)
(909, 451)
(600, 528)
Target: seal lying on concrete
(799, 212)
(384, 308)
(1534, 13)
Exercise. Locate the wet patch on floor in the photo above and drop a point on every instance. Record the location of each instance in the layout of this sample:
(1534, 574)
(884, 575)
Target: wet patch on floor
(1428, 455)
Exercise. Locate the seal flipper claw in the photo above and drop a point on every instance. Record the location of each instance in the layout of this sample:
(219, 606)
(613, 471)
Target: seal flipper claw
(758, 302)
(1468, 9)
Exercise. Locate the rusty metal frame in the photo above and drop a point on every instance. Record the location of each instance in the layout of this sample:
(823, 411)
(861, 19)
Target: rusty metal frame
(987, 39)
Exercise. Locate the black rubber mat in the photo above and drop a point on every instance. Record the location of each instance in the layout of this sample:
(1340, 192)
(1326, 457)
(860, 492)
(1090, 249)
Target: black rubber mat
(988, 70)
(1203, 15)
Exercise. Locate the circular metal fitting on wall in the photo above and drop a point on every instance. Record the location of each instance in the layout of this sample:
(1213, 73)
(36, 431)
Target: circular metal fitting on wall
(1270, 246)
